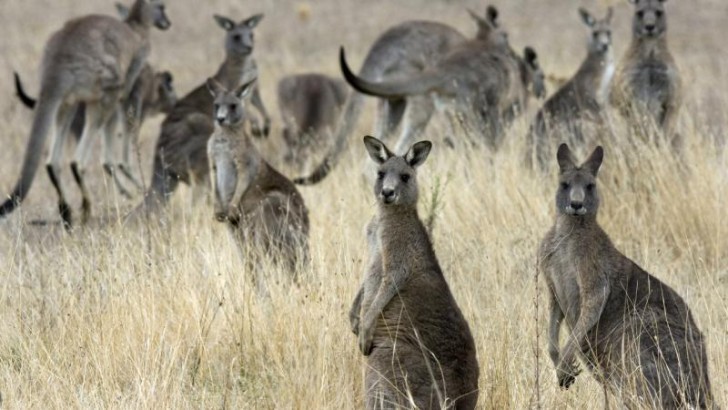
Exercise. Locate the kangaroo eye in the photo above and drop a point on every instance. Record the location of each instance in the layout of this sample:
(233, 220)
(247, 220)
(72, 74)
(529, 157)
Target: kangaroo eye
(658, 13)
(217, 107)
(590, 187)
(564, 186)
(232, 107)
(640, 14)
(404, 177)
(380, 175)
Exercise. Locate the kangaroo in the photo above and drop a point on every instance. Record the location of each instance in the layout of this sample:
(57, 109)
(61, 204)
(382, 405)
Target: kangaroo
(258, 203)
(158, 96)
(483, 77)
(93, 60)
(580, 99)
(634, 332)
(180, 153)
(405, 48)
(419, 354)
(648, 81)
(310, 104)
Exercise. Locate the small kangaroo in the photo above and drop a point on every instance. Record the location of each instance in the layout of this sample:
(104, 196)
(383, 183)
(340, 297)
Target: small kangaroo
(180, 153)
(158, 96)
(482, 77)
(260, 205)
(581, 99)
(419, 346)
(310, 104)
(648, 81)
(634, 332)
(93, 60)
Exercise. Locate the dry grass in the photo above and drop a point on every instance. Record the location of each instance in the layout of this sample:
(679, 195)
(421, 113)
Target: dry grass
(167, 316)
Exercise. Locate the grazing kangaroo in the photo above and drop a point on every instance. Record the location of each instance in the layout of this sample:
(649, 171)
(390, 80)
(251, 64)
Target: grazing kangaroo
(157, 95)
(634, 332)
(93, 60)
(579, 100)
(310, 104)
(647, 83)
(261, 206)
(484, 78)
(403, 49)
(419, 346)
(180, 153)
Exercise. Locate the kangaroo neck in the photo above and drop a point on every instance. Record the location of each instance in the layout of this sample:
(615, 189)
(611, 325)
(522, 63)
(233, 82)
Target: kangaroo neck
(577, 225)
(399, 218)
(231, 70)
(649, 46)
(135, 20)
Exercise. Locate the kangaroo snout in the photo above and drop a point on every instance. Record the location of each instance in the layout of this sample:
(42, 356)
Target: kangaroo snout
(388, 195)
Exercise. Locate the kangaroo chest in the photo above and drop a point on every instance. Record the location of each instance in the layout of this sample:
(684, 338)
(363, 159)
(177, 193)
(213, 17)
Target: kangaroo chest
(562, 271)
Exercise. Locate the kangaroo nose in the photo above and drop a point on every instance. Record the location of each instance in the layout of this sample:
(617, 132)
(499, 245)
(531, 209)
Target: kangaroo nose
(577, 205)
(220, 120)
(650, 28)
(237, 38)
(387, 193)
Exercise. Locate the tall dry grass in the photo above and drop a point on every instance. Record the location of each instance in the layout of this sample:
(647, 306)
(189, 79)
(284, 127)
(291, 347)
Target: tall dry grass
(167, 315)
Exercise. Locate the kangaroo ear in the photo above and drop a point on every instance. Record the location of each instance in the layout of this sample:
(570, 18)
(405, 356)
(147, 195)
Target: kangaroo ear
(214, 87)
(610, 13)
(377, 150)
(491, 13)
(478, 19)
(224, 22)
(167, 77)
(253, 21)
(586, 17)
(245, 89)
(565, 158)
(530, 56)
(418, 153)
(594, 161)
(122, 10)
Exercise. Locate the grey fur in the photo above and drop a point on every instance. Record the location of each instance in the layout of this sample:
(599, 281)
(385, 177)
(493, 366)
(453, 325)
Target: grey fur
(417, 342)
(635, 333)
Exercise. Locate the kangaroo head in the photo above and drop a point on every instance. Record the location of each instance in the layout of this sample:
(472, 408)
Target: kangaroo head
(577, 193)
(600, 41)
(240, 36)
(147, 12)
(533, 75)
(396, 183)
(166, 95)
(229, 108)
(649, 18)
(489, 27)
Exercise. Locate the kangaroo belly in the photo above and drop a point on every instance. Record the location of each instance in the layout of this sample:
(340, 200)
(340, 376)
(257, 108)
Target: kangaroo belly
(225, 178)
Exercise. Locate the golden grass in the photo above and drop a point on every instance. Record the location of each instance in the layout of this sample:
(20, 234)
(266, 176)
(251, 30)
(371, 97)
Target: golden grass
(166, 316)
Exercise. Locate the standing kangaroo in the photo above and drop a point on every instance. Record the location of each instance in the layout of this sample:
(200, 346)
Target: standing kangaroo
(157, 96)
(419, 346)
(310, 104)
(484, 78)
(93, 60)
(634, 332)
(180, 153)
(579, 100)
(261, 206)
(647, 83)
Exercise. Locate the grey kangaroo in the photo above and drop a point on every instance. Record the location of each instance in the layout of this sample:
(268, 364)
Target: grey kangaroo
(310, 104)
(93, 60)
(634, 332)
(420, 352)
(261, 206)
(648, 83)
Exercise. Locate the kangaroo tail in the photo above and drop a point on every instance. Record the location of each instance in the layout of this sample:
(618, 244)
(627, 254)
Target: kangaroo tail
(346, 125)
(27, 100)
(417, 84)
(45, 116)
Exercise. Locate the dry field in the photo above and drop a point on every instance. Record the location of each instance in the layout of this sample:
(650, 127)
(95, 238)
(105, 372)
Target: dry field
(166, 315)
